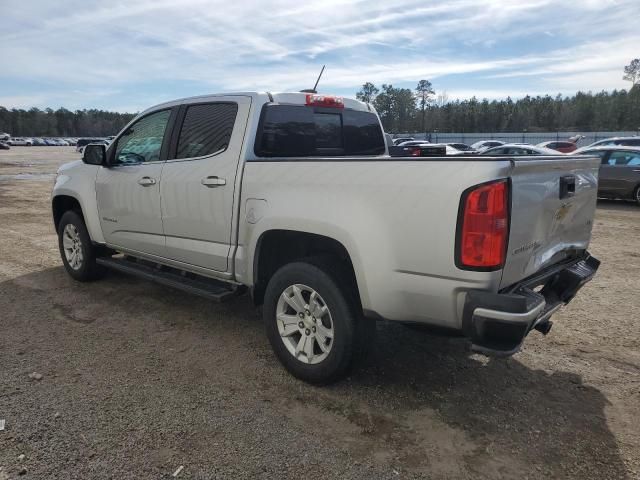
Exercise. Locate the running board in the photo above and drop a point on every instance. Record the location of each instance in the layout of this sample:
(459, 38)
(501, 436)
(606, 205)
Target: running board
(205, 287)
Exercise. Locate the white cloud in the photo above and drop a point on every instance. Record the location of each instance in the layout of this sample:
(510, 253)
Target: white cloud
(131, 52)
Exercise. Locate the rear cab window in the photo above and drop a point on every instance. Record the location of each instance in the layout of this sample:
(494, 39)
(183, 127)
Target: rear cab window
(302, 131)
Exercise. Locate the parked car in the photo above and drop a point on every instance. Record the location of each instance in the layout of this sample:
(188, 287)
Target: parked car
(38, 142)
(292, 198)
(4, 146)
(563, 147)
(424, 149)
(619, 171)
(463, 147)
(626, 141)
(519, 149)
(484, 144)
(398, 141)
(97, 142)
(20, 142)
(83, 142)
(409, 143)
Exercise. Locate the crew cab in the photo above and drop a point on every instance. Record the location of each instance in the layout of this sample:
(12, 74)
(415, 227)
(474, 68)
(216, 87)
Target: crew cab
(294, 198)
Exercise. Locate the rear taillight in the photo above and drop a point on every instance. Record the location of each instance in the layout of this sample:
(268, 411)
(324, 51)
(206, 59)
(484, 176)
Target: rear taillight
(483, 227)
(415, 152)
(324, 101)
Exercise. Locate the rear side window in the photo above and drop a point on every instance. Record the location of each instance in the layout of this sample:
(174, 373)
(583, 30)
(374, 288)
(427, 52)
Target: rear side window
(302, 131)
(206, 129)
(624, 158)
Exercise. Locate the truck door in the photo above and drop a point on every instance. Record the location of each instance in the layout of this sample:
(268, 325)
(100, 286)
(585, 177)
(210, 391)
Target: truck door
(198, 181)
(128, 192)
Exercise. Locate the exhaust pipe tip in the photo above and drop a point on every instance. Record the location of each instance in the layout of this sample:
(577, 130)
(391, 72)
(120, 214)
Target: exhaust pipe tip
(544, 327)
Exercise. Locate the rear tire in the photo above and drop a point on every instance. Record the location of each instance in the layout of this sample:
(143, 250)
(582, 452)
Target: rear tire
(77, 252)
(313, 321)
(636, 195)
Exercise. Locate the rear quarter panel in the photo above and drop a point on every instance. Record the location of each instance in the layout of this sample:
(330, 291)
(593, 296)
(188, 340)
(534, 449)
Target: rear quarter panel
(396, 218)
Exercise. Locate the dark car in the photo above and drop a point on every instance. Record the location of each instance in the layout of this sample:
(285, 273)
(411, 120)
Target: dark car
(83, 142)
(423, 149)
(410, 143)
(38, 142)
(4, 146)
(619, 171)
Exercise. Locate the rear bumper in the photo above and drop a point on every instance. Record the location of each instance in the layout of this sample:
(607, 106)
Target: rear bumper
(497, 323)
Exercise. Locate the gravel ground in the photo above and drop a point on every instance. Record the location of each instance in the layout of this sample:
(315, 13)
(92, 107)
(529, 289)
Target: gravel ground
(138, 380)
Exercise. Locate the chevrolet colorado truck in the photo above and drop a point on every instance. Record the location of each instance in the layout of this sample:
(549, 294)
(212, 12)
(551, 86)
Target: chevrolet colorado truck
(294, 198)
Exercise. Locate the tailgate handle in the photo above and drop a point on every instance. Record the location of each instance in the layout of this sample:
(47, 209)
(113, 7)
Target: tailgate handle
(567, 186)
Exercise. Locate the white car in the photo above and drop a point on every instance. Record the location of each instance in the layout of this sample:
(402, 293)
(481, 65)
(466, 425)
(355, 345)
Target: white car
(293, 198)
(484, 144)
(520, 149)
(620, 141)
(20, 142)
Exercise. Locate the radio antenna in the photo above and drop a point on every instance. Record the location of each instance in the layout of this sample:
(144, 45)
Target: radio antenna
(313, 90)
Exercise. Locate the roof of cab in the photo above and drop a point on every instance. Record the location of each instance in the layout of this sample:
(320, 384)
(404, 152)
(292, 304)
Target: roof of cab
(296, 98)
(300, 98)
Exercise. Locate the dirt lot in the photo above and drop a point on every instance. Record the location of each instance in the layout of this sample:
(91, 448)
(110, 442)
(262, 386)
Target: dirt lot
(138, 379)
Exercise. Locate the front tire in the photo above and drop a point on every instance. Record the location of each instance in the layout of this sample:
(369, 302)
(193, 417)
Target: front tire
(311, 317)
(77, 252)
(636, 195)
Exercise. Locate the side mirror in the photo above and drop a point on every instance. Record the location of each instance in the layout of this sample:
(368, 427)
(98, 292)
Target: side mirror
(95, 154)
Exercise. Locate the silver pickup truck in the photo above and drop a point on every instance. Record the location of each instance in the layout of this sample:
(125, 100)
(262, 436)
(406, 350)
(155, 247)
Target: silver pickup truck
(293, 197)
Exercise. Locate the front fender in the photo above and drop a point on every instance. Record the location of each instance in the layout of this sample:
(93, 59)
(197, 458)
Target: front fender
(78, 181)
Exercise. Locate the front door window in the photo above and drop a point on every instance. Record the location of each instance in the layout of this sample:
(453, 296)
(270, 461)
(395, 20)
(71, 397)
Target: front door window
(142, 142)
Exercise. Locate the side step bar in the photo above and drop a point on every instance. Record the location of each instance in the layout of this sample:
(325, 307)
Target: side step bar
(205, 287)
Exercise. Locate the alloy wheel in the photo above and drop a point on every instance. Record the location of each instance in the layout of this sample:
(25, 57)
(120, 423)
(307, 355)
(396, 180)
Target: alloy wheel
(72, 245)
(305, 324)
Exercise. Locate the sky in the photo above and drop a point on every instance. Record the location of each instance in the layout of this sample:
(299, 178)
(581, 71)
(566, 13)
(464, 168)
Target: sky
(129, 55)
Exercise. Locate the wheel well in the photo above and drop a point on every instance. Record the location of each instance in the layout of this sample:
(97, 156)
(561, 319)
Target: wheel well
(276, 248)
(62, 204)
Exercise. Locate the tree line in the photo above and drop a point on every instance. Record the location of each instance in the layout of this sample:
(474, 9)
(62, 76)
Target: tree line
(421, 110)
(404, 110)
(401, 110)
(62, 122)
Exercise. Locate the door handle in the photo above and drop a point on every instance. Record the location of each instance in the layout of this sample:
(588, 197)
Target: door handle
(636, 169)
(213, 181)
(147, 181)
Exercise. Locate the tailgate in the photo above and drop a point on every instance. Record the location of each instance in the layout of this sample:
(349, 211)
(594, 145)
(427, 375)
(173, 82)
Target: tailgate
(553, 202)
